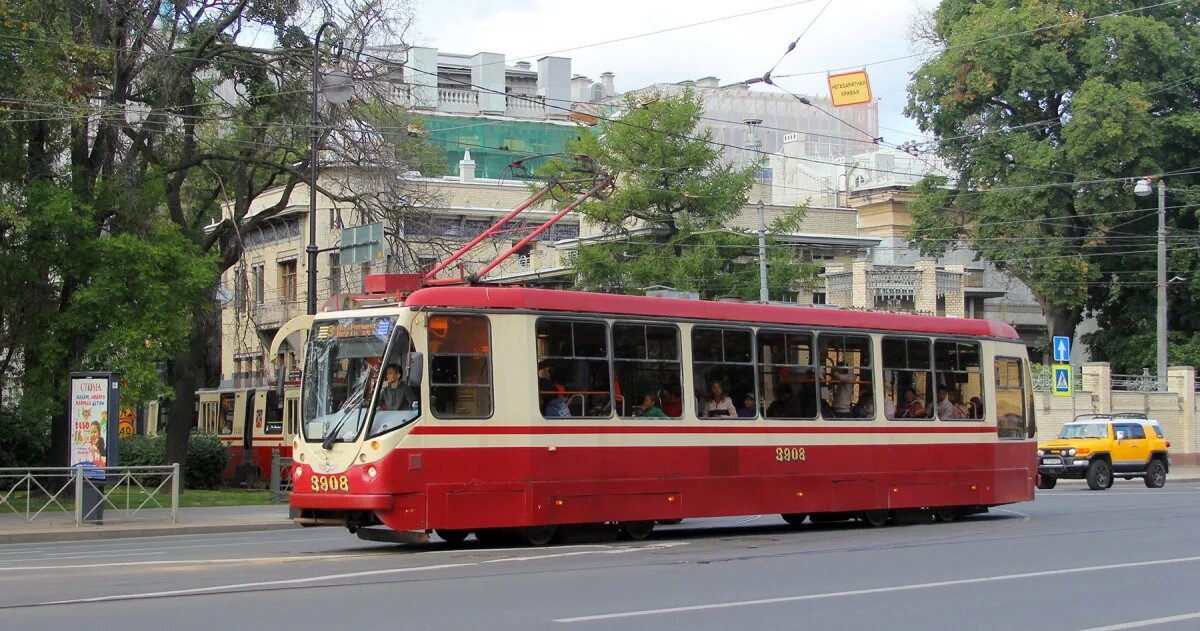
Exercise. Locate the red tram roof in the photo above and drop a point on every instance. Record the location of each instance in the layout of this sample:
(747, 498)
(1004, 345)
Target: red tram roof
(742, 313)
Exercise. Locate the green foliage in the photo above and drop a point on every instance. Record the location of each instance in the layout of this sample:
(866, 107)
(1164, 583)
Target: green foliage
(1043, 126)
(206, 460)
(668, 221)
(24, 441)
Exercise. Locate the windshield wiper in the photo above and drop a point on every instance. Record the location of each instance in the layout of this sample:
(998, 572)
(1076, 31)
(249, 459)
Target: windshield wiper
(347, 407)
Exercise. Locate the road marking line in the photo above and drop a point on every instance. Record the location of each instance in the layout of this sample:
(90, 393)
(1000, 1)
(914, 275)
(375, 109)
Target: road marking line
(95, 555)
(876, 590)
(333, 577)
(83, 566)
(1145, 623)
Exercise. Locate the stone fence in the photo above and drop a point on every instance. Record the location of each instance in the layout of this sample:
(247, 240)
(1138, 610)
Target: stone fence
(1175, 410)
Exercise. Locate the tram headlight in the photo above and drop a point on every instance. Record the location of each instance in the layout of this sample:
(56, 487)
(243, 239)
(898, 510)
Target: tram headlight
(297, 472)
(372, 472)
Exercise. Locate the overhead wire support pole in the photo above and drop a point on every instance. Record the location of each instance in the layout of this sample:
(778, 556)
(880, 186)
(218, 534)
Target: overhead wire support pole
(314, 137)
(1161, 329)
(763, 295)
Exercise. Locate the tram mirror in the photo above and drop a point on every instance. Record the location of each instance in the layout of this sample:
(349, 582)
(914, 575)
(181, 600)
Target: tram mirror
(416, 369)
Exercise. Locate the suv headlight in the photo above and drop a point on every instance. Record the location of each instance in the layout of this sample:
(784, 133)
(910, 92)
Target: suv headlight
(1041, 453)
(1071, 451)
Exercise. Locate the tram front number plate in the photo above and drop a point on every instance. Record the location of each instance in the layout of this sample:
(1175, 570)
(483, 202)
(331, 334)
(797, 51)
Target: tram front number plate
(329, 483)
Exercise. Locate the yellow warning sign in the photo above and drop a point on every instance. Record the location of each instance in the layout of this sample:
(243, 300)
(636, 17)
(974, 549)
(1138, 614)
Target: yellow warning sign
(850, 88)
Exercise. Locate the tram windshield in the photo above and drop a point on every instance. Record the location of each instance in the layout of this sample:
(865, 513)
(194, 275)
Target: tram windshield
(344, 366)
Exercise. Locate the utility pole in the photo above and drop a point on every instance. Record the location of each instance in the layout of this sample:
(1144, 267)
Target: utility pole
(763, 294)
(1162, 286)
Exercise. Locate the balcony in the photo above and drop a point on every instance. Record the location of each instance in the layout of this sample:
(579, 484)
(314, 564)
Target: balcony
(519, 106)
(458, 101)
(271, 314)
(919, 289)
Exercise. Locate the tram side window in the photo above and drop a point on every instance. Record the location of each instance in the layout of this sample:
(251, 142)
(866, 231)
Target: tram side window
(787, 375)
(845, 380)
(225, 422)
(959, 380)
(1010, 398)
(460, 366)
(572, 369)
(908, 378)
(646, 368)
(723, 371)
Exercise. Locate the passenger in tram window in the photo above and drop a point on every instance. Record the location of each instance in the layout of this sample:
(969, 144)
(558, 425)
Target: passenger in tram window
(889, 407)
(945, 407)
(748, 409)
(780, 406)
(865, 408)
(672, 404)
(976, 407)
(395, 395)
(557, 406)
(719, 404)
(961, 410)
(827, 410)
(649, 407)
(843, 390)
(912, 407)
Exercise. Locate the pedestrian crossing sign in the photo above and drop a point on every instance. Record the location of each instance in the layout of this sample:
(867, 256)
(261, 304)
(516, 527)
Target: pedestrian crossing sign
(1062, 380)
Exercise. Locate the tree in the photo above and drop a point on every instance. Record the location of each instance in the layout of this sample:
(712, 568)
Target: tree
(668, 221)
(1045, 110)
(155, 143)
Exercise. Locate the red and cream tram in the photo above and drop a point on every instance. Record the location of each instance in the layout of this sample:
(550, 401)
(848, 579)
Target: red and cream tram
(490, 409)
(255, 423)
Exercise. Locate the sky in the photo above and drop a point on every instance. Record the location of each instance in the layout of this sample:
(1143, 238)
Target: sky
(845, 34)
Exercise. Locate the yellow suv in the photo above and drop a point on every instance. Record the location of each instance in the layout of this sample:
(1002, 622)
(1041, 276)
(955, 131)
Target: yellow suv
(1099, 447)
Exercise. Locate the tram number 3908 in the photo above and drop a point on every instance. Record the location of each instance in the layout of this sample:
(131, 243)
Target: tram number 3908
(329, 483)
(789, 454)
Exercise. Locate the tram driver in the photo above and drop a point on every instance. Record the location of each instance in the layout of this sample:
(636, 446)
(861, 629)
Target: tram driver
(396, 394)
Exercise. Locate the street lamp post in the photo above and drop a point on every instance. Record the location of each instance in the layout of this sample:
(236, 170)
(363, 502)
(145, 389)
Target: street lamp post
(337, 92)
(1143, 188)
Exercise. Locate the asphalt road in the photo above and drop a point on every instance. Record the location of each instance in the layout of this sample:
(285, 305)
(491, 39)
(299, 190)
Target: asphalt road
(1072, 560)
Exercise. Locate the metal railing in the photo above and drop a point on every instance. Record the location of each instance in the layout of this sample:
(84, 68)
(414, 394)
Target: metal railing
(90, 494)
(1144, 382)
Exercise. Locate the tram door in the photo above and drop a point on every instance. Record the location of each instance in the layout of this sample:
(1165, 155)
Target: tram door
(291, 415)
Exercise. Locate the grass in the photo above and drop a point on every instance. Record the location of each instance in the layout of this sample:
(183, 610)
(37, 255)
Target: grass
(134, 497)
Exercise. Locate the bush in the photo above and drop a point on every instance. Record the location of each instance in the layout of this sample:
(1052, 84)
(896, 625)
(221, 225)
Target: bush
(24, 441)
(206, 459)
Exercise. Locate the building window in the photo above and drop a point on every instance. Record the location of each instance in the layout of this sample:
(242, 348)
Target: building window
(573, 378)
(287, 280)
(845, 379)
(646, 369)
(335, 273)
(257, 272)
(787, 375)
(240, 289)
(723, 370)
(908, 378)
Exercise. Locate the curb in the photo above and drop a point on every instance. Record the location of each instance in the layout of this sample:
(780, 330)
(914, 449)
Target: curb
(92, 533)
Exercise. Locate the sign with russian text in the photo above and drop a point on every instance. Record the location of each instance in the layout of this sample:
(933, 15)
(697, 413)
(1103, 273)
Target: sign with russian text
(849, 88)
(92, 414)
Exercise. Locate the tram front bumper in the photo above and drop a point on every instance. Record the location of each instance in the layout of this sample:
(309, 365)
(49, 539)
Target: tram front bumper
(342, 501)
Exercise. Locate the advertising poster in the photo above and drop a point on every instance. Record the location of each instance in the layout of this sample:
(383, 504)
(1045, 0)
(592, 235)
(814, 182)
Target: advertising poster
(89, 421)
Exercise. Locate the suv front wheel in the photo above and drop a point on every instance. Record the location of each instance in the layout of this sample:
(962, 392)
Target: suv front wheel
(1046, 482)
(1099, 475)
(1156, 474)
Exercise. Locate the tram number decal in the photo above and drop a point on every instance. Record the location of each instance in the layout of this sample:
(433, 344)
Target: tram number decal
(329, 483)
(789, 454)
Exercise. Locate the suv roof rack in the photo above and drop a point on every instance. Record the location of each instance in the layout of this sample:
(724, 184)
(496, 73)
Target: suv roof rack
(1118, 415)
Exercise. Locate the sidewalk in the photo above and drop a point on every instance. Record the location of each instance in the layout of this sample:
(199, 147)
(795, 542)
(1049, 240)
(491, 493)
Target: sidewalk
(192, 521)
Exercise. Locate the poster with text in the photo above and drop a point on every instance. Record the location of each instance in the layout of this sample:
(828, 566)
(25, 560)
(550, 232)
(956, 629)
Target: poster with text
(89, 421)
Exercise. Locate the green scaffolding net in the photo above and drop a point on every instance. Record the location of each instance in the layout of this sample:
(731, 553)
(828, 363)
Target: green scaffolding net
(495, 144)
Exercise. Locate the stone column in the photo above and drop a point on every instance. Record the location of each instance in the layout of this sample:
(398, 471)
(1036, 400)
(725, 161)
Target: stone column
(423, 79)
(488, 74)
(925, 298)
(833, 296)
(956, 304)
(860, 297)
(1097, 379)
(1182, 381)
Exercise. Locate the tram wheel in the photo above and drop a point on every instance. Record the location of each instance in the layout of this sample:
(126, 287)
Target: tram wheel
(945, 514)
(453, 537)
(494, 536)
(636, 530)
(875, 518)
(794, 519)
(537, 535)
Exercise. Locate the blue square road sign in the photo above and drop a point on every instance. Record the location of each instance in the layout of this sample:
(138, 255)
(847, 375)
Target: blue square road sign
(1062, 348)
